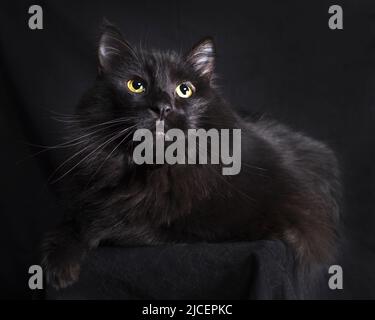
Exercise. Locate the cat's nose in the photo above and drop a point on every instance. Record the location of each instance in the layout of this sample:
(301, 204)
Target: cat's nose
(162, 110)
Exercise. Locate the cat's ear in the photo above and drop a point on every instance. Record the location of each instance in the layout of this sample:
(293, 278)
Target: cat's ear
(113, 49)
(202, 57)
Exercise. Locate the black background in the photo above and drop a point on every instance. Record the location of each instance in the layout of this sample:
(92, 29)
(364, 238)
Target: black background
(277, 58)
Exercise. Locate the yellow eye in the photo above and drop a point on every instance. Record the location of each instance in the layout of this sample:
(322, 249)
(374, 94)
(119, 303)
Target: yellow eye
(136, 86)
(185, 90)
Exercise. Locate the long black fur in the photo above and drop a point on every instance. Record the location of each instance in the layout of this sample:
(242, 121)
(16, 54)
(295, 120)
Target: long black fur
(288, 187)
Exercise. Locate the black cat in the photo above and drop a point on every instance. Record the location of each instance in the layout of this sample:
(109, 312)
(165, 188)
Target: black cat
(288, 187)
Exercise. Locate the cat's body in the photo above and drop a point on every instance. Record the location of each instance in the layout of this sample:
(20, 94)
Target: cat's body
(287, 189)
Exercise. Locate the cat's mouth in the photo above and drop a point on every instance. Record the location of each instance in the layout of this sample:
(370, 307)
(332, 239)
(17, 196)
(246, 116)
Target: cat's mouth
(166, 126)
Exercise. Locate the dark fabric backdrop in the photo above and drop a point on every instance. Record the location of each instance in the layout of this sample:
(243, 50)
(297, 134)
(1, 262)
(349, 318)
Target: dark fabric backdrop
(274, 57)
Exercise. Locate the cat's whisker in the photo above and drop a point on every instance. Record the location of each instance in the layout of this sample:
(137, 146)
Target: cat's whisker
(79, 140)
(107, 124)
(73, 156)
(49, 148)
(108, 156)
(117, 120)
(68, 144)
(65, 120)
(101, 146)
(72, 115)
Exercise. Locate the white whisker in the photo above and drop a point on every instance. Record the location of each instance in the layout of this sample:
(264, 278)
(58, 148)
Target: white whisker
(114, 137)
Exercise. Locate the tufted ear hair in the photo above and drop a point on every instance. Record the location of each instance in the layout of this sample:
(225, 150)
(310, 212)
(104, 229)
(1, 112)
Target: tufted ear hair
(113, 48)
(202, 57)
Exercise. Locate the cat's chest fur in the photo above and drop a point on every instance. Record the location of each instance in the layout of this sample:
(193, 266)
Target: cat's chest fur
(166, 193)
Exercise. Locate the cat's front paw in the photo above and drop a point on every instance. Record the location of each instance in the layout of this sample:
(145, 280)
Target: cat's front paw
(61, 262)
(61, 274)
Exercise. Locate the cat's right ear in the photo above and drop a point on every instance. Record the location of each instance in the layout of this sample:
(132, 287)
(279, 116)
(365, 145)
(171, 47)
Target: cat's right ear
(202, 57)
(113, 49)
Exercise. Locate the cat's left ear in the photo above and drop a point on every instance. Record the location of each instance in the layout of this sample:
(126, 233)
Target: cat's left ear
(113, 48)
(202, 57)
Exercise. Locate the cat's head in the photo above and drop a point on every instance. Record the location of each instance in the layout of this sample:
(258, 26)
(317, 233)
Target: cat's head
(147, 86)
(134, 89)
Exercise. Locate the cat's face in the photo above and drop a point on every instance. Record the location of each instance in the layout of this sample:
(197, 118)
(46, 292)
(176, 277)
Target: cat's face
(148, 86)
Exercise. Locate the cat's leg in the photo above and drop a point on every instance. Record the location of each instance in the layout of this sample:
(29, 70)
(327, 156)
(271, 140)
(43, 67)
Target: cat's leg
(65, 248)
(63, 251)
